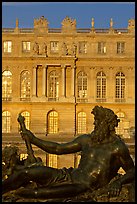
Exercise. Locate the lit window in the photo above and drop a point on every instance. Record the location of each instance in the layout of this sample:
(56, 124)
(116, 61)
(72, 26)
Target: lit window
(81, 122)
(7, 46)
(82, 47)
(25, 46)
(25, 85)
(120, 87)
(23, 157)
(6, 85)
(120, 47)
(54, 46)
(101, 47)
(53, 122)
(52, 160)
(101, 86)
(82, 85)
(53, 86)
(6, 122)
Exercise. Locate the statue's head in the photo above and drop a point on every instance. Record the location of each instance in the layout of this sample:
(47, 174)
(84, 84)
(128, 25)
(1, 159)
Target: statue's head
(107, 115)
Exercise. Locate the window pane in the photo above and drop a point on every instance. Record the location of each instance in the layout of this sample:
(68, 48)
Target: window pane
(53, 122)
(82, 47)
(53, 85)
(25, 84)
(101, 47)
(120, 85)
(82, 85)
(52, 158)
(54, 46)
(7, 46)
(6, 122)
(101, 85)
(26, 46)
(6, 85)
(81, 122)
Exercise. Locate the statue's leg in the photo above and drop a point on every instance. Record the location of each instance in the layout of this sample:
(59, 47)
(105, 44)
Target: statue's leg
(42, 175)
(59, 191)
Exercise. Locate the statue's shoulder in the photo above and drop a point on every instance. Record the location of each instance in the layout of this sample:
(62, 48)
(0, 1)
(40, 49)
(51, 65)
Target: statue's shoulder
(84, 138)
(121, 143)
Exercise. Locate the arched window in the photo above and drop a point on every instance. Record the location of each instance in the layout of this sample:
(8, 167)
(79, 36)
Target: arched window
(6, 85)
(53, 86)
(53, 122)
(25, 85)
(26, 115)
(120, 87)
(101, 87)
(81, 122)
(6, 122)
(82, 85)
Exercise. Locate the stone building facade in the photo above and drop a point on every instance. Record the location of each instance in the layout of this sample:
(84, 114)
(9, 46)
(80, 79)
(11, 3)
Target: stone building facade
(54, 77)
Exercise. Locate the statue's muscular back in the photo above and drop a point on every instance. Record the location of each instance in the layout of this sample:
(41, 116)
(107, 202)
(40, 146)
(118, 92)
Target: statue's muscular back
(98, 162)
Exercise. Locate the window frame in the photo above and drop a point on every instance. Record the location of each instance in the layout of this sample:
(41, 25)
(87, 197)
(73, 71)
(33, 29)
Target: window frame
(7, 48)
(26, 44)
(54, 46)
(102, 49)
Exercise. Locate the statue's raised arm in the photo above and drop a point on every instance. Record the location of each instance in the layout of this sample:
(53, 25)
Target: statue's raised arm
(21, 120)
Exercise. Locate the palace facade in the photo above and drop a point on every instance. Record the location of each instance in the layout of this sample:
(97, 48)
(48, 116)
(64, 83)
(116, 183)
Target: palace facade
(55, 77)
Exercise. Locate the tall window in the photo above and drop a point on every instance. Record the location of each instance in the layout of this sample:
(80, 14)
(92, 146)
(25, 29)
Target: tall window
(25, 85)
(120, 87)
(6, 85)
(101, 47)
(54, 46)
(52, 160)
(82, 47)
(53, 86)
(82, 85)
(81, 122)
(120, 47)
(6, 122)
(26, 115)
(26, 46)
(53, 122)
(7, 46)
(101, 86)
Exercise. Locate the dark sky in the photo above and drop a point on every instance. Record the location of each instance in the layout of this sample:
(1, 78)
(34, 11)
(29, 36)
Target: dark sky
(55, 12)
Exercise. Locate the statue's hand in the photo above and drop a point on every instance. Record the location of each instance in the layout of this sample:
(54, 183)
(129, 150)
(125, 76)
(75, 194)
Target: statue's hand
(114, 188)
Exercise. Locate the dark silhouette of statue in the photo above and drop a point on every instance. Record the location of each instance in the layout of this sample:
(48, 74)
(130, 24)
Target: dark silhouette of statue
(103, 152)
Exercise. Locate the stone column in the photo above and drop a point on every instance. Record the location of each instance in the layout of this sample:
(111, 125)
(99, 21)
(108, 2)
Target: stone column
(111, 84)
(34, 80)
(63, 81)
(91, 85)
(73, 81)
(44, 81)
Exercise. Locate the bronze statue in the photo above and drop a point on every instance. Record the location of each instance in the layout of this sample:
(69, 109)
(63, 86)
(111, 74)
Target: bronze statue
(102, 154)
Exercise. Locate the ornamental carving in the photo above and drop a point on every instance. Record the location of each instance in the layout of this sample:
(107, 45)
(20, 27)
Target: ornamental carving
(68, 24)
(69, 49)
(41, 22)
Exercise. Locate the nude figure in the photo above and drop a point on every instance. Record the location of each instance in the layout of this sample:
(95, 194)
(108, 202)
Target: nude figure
(102, 154)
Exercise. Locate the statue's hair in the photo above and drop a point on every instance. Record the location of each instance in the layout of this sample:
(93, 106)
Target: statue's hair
(104, 116)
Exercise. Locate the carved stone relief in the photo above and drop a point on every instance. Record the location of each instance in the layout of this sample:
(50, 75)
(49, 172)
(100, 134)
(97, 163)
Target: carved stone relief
(68, 25)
